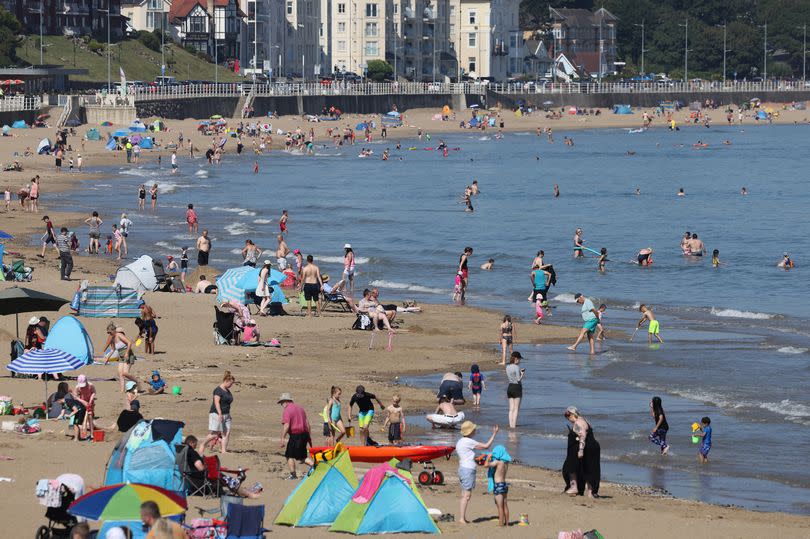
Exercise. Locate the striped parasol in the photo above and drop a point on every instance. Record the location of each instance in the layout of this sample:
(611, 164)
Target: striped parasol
(45, 361)
(228, 284)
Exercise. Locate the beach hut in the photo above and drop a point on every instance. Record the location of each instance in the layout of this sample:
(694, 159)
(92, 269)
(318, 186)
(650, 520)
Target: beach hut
(19, 124)
(93, 134)
(146, 454)
(69, 335)
(386, 502)
(108, 302)
(622, 109)
(44, 147)
(142, 275)
(322, 495)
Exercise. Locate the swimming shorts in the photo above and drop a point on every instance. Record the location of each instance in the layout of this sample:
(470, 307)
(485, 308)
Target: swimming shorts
(364, 418)
(465, 273)
(150, 326)
(500, 489)
(311, 291)
(328, 430)
(514, 391)
(654, 327)
(202, 258)
(282, 226)
(394, 432)
(507, 338)
(591, 324)
(704, 449)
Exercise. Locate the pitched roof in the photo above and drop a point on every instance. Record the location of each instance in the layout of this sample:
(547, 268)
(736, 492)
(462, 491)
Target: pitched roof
(581, 17)
(181, 8)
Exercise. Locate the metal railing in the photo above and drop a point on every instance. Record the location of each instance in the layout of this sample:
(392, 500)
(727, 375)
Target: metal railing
(20, 102)
(649, 87)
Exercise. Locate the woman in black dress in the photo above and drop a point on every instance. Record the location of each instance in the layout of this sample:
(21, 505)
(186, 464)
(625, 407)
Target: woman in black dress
(582, 468)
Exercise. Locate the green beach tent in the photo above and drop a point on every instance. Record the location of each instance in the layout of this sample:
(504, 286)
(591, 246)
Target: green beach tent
(386, 502)
(321, 495)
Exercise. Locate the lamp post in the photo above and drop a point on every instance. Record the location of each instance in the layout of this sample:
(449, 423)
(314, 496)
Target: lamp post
(765, 54)
(724, 26)
(41, 14)
(109, 46)
(685, 51)
(643, 50)
(804, 52)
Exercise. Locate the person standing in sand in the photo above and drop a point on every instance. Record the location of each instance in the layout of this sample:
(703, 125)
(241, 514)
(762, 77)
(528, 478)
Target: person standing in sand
(349, 266)
(297, 431)
(94, 222)
(203, 248)
(312, 283)
(219, 415)
(118, 344)
(465, 449)
(263, 289)
(281, 253)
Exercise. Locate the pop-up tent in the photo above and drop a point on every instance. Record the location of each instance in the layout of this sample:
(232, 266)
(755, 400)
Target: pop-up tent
(19, 124)
(143, 275)
(762, 115)
(392, 119)
(386, 502)
(146, 143)
(93, 134)
(319, 498)
(137, 126)
(69, 335)
(146, 454)
(44, 147)
(622, 109)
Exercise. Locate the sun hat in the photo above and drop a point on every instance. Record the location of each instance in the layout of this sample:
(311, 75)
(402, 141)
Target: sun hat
(325, 277)
(130, 385)
(81, 381)
(347, 246)
(296, 251)
(251, 322)
(33, 321)
(267, 263)
(467, 428)
(285, 397)
(572, 410)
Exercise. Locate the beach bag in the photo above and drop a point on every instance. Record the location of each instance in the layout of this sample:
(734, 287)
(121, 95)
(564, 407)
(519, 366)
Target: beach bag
(594, 534)
(363, 322)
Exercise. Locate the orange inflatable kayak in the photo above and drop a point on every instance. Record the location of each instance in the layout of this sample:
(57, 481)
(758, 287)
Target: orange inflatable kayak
(384, 453)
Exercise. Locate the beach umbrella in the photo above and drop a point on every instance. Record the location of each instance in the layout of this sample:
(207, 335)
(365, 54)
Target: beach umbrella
(105, 124)
(16, 300)
(123, 502)
(250, 279)
(228, 284)
(73, 123)
(5, 236)
(45, 361)
(216, 117)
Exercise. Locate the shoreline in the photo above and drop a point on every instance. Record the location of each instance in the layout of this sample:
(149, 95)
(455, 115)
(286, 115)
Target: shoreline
(616, 516)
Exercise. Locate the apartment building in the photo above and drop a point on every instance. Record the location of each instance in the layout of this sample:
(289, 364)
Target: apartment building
(302, 50)
(208, 26)
(68, 17)
(418, 45)
(264, 30)
(586, 38)
(486, 38)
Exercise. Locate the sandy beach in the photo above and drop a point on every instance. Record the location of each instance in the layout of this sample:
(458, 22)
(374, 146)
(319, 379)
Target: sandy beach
(315, 354)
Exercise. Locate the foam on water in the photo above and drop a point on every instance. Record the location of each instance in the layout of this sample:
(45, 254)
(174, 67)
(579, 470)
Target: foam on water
(393, 285)
(564, 298)
(262, 221)
(791, 350)
(201, 173)
(237, 229)
(734, 313)
(793, 411)
(168, 246)
(339, 259)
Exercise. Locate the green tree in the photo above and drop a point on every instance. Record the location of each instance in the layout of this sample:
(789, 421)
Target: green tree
(9, 29)
(378, 69)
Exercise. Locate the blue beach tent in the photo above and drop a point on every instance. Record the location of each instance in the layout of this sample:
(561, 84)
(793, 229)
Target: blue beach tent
(69, 335)
(622, 109)
(19, 124)
(121, 133)
(111, 144)
(146, 143)
(93, 134)
(146, 454)
(762, 115)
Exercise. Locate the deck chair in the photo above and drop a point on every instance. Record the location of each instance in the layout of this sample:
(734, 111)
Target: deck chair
(246, 522)
(192, 484)
(224, 330)
(336, 301)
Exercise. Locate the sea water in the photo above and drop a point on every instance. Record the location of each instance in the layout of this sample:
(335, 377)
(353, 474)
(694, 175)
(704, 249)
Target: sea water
(736, 337)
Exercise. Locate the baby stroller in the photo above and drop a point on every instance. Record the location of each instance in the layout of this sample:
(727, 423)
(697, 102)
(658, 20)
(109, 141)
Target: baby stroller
(59, 520)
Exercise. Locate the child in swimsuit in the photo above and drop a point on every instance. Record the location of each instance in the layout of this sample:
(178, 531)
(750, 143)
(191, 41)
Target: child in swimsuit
(498, 464)
(716, 258)
(333, 419)
(705, 432)
(654, 328)
(538, 309)
(507, 337)
(395, 421)
(600, 329)
(457, 288)
(477, 384)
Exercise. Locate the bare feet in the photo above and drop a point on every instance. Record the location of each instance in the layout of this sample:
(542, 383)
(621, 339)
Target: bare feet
(665, 450)
(572, 348)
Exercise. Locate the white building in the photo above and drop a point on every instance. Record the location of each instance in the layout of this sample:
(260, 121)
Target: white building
(486, 38)
(146, 15)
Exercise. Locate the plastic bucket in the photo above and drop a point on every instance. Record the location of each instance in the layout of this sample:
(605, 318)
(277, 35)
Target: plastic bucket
(349, 432)
(98, 435)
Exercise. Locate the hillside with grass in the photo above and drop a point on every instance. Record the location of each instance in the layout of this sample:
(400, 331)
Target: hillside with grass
(138, 61)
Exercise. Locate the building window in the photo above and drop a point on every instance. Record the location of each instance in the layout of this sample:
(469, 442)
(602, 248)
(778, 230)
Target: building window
(155, 4)
(196, 25)
(289, 8)
(371, 10)
(371, 29)
(150, 19)
(396, 28)
(341, 8)
(513, 41)
(396, 8)
(472, 15)
(372, 49)
(320, 30)
(341, 46)
(341, 28)
(471, 42)
(471, 64)
(452, 30)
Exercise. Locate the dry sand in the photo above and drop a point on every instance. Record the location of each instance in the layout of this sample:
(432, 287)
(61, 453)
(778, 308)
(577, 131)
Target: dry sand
(315, 354)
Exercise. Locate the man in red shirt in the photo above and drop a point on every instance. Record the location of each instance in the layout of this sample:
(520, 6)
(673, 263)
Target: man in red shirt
(296, 429)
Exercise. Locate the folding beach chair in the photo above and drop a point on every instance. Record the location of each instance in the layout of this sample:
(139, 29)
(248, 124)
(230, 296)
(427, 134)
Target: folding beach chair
(336, 301)
(246, 522)
(224, 329)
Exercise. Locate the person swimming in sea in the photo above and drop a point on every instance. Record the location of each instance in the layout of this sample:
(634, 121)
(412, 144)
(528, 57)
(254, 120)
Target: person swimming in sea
(578, 241)
(744, 191)
(786, 263)
(644, 256)
(716, 258)
(681, 192)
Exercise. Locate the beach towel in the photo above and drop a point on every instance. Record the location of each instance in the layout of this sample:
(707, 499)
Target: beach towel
(498, 453)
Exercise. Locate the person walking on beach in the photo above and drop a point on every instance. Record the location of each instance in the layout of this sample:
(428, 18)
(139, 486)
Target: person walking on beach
(365, 412)
(123, 226)
(654, 327)
(463, 262)
(514, 391)
(33, 195)
(582, 470)
(203, 248)
(333, 418)
(65, 256)
(477, 384)
(296, 429)
(590, 319)
(263, 288)
(312, 284)
(705, 432)
(658, 435)
(174, 159)
(118, 344)
(94, 222)
(219, 415)
(465, 449)
(507, 337)
(395, 420)
(49, 237)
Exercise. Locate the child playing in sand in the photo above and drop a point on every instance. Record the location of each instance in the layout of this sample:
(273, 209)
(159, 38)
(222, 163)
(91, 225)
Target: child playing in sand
(333, 419)
(600, 329)
(654, 328)
(705, 432)
(76, 412)
(395, 421)
(498, 464)
(476, 384)
(156, 384)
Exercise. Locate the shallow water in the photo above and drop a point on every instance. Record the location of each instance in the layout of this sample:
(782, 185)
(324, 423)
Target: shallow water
(736, 337)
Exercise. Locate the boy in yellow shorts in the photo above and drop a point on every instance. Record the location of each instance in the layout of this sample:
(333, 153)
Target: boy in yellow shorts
(654, 328)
